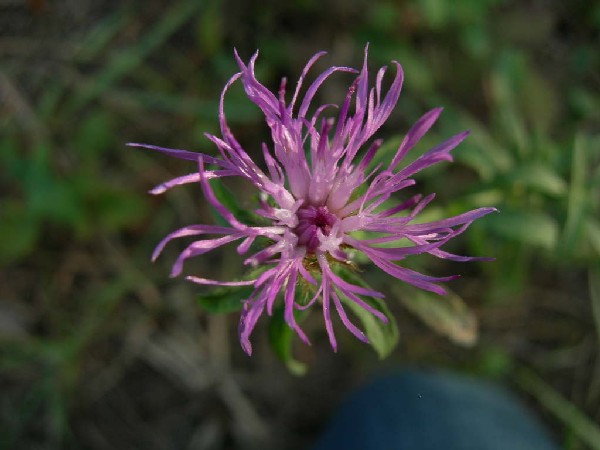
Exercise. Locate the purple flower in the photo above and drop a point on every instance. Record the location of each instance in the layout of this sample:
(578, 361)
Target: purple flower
(315, 195)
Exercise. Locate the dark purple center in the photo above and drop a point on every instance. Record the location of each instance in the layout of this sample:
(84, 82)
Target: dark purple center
(310, 220)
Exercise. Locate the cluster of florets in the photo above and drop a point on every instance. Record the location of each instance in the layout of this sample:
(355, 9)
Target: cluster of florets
(318, 191)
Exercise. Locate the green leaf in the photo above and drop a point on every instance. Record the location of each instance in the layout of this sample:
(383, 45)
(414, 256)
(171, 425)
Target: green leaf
(481, 151)
(538, 177)
(224, 300)
(593, 233)
(19, 230)
(577, 193)
(446, 314)
(383, 337)
(508, 115)
(531, 228)
(485, 197)
(281, 339)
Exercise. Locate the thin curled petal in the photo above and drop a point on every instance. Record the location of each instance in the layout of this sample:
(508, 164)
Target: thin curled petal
(414, 135)
(347, 323)
(183, 154)
(190, 178)
(253, 308)
(450, 222)
(192, 230)
(199, 248)
(199, 280)
(212, 199)
(290, 293)
(326, 304)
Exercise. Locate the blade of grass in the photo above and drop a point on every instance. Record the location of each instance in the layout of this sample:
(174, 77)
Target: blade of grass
(130, 58)
(241, 111)
(577, 194)
(594, 281)
(561, 408)
(97, 39)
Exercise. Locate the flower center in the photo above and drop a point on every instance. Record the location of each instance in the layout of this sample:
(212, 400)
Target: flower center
(311, 220)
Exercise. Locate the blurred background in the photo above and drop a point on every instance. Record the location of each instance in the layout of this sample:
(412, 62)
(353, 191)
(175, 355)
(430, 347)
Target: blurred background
(100, 349)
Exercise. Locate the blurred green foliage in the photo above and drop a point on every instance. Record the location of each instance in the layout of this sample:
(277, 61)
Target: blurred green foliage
(77, 229)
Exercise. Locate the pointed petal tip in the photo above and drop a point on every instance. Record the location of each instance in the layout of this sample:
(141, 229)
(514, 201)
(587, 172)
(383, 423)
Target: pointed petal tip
(398, 67)
(362, 337)
(193, 279)
(156, 252)
(301, 335)
(488, 210)
(156, 190)
(435, 113)
(239, 60)
(246, 346)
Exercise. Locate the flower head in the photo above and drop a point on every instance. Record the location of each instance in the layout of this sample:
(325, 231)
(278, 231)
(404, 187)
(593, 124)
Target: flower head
(315, 194)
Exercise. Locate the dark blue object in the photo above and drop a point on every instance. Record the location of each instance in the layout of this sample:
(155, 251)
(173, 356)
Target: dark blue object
(415, 410)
